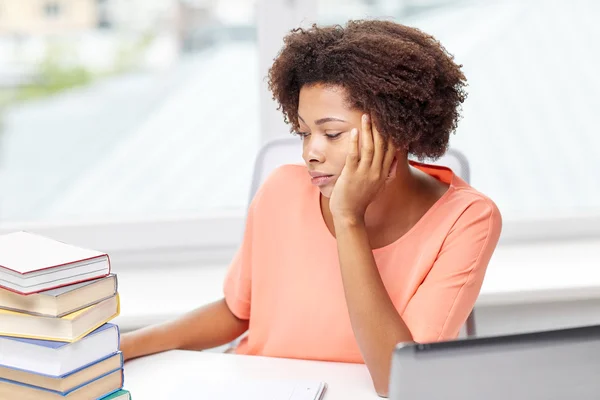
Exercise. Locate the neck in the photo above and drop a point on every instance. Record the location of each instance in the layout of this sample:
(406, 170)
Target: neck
(391, 203)
(394, 199)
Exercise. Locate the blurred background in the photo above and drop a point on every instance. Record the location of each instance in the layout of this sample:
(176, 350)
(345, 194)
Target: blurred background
(132, 126)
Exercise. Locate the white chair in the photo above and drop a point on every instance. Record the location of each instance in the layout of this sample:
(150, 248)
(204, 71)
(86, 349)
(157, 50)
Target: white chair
(289, 151)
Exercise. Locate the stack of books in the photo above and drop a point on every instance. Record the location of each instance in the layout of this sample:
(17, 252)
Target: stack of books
(56, 301)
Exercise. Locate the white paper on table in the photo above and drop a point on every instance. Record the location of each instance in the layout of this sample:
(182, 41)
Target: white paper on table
(252, 390)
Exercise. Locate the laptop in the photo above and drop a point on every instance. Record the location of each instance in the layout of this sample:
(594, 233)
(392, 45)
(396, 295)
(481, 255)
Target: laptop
(550, 365)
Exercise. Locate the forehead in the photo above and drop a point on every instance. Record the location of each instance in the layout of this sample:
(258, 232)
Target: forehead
(322, 98)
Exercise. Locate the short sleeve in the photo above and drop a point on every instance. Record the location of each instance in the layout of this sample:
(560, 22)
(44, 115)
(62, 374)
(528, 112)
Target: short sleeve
(237, 287)
(443, 302)
(238, 281)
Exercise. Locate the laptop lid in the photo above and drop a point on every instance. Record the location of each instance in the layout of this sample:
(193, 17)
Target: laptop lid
(558, 364)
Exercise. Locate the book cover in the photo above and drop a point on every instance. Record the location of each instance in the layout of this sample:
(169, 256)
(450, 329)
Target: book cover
(16, 253)
(118, 395)
(69, 317)
(31, 263)
(109, 375)
(74, 379)
(52, 344)
(66, 289)
(54, 359)
(53, 303)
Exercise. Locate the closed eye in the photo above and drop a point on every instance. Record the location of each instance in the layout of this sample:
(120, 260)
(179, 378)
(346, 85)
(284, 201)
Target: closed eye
(302, 134)
(333, 135)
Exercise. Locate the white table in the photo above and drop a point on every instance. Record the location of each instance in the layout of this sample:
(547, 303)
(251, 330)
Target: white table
(542, 272)
(155, 377)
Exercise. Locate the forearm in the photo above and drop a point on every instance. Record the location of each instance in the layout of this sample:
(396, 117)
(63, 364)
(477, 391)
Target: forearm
(376, 324)
(209, 326)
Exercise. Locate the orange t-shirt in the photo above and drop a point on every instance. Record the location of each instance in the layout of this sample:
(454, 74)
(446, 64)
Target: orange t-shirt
(286, 279)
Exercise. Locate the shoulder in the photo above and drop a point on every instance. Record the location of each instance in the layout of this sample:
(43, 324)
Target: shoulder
(462, 203)
(284, 183)
(286, 173)
(475, 212)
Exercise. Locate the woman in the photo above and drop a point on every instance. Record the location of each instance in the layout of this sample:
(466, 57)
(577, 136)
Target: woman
(359, 249)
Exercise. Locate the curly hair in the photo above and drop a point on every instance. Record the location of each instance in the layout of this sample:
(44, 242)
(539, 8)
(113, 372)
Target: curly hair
(403, 77)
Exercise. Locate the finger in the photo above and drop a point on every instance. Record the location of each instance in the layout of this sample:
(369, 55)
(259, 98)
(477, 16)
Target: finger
(353, 157)
(366, 136)
(380, 149)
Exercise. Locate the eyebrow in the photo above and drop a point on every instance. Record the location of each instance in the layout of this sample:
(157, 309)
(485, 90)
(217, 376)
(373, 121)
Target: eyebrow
(324, 120)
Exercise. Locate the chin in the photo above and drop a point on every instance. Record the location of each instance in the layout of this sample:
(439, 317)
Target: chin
(326, 191)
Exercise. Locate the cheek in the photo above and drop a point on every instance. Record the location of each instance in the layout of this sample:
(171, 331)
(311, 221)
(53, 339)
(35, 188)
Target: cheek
(342, 150)
(339, 160)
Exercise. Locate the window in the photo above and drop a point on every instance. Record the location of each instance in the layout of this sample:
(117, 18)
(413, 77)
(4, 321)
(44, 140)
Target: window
(136, 121)
(528, 128)
(142, 132)
(135, 133)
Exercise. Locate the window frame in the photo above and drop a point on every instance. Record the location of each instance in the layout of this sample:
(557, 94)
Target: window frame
(208, 240)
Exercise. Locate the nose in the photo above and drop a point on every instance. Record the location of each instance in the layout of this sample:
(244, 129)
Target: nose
(313, 149)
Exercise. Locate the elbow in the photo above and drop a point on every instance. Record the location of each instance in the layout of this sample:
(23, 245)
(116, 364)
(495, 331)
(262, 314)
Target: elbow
(383, 393)
(382, 387)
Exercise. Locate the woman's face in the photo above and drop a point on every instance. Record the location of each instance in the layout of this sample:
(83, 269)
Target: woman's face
(325, 123)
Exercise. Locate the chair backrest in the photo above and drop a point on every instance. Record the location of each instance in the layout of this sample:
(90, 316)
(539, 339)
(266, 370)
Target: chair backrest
(289, 151)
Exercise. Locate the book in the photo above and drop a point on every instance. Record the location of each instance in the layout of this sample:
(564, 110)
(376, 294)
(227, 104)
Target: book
(69, 328)
(120, 395)
(66, 383)
(58, 359)
(98, 388)
(62, 301)
(31, 263)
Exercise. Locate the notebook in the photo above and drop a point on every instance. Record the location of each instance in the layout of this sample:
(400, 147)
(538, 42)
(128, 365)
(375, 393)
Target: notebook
(31, 263)
(252, 390)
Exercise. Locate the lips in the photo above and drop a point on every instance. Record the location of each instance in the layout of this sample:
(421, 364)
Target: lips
(321, 180)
